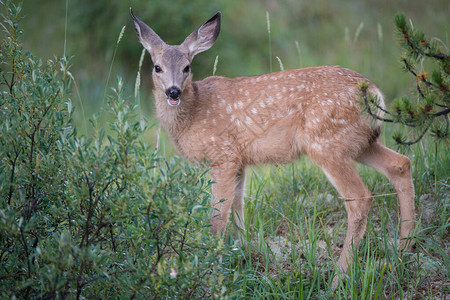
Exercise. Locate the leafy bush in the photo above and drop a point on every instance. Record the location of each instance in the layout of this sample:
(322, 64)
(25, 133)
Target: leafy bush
(96, 216)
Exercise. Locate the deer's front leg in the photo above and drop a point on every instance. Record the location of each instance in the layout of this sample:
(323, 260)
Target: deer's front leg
(223, 191)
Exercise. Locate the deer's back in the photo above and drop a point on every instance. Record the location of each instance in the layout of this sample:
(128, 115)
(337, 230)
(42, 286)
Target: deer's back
(273, 118)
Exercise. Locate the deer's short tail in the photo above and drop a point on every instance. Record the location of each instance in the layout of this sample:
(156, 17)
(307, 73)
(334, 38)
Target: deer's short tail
(379, 112)
(380, 103)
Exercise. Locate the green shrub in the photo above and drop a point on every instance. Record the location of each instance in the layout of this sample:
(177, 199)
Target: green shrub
(93, 217)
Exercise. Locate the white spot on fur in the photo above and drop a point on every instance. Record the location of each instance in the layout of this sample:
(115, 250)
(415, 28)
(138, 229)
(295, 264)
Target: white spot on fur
(240, 104)
(262, 104)
(208, 112)
(316, 146)
(273, 77)
(229, 109)
(291, 76)
(248, 120)
(213, 139)
(214, 121)
(254, 111)
(246, 93)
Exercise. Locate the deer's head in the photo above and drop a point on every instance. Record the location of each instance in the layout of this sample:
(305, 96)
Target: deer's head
(172, 64)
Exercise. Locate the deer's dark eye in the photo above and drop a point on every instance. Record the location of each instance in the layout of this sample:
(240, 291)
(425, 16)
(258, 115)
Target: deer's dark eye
(157, 69)
(186, 69)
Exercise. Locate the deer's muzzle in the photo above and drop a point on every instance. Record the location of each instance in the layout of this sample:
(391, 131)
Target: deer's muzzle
(173, 96)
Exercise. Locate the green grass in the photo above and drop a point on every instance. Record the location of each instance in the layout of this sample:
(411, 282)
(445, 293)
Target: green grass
(295, 227)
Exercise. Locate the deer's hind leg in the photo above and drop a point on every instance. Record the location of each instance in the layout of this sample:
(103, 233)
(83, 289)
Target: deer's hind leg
(397, 168)
(357, 199)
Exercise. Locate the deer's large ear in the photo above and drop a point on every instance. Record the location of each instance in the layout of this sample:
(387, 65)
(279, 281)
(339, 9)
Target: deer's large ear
(204, 37)
(148, 38)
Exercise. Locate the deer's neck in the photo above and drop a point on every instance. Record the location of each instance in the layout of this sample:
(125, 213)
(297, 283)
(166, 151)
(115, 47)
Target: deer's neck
(175, 120)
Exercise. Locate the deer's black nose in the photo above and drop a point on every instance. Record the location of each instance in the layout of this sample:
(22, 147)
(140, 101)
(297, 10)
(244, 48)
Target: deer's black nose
(173, 92)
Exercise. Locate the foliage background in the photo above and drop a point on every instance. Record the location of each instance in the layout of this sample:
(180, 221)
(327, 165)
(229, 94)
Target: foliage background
(356, 34)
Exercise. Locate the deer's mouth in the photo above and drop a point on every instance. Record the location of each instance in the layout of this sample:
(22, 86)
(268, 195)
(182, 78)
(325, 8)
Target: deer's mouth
(173, 102)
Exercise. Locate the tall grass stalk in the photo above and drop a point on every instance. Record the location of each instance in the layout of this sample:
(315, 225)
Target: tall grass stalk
(299, 53)
(83, 113)
(358, 32)
(112, 63)
(137, 85)
(280, 63)
(270, 40)
(216, 62)
(65, 27)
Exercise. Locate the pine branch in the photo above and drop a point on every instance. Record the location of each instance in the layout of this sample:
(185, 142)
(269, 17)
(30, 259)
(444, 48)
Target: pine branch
(442, 112)
(417, 140)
